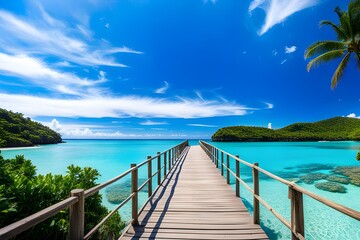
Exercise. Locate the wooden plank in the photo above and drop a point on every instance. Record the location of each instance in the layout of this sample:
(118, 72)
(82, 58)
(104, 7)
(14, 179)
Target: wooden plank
(195, 202)
(196, 236)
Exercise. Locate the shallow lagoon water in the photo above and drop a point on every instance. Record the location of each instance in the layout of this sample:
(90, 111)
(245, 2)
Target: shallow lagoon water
(112, 157)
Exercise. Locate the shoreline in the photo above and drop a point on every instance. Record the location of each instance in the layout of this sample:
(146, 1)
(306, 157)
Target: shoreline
(17, 148)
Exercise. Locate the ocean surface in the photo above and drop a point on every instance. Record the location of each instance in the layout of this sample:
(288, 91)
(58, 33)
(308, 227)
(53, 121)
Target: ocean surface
(288, 160)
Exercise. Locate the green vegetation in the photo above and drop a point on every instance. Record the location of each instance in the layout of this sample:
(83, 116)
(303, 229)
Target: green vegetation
(333, 129)
(348, 41)
(18, 131)
(23, 193)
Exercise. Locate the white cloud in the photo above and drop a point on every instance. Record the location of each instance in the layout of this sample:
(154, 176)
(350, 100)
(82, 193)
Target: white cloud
(52, 37)
(278, 10)
(269, 105)
(107, 25)
(163, 89)
(269, 126)
(255, 4)
(213, 1)
(274, 52)
(121, 107)
(290, 49)
(201, 125)
(284, 61)
(352, 115)
(152, 123)
(42, 75)
(159, 129)
(55, 125)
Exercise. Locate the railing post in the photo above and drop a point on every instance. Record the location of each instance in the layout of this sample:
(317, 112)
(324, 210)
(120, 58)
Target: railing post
(217, 157)
(169, 161)
(165, 165)
(297, 213)
(256, 213)
(227, 169)
(149, 176)
(237, 165)
(222, 163)
(77, 214)
(134, 189)
(213, 155)
(173, 155)
(159, 168)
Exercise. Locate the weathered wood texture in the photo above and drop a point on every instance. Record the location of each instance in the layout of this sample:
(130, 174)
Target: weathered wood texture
(195, 202)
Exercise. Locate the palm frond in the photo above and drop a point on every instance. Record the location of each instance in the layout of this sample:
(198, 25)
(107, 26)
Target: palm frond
(357, 59)
(354, 15)
(340, 70)
(346, 25)
(341, 35)
(338, 11)
(323, 46)
(324, 58)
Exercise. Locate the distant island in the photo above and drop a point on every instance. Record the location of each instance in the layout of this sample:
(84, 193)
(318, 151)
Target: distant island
(333, 129)
(19, 131)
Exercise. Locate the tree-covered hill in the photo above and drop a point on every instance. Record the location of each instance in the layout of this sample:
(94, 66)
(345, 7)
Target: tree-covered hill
(18, 131)
(333, 129)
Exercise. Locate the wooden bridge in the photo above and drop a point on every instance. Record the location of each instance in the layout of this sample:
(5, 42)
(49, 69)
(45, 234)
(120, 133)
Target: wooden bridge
(192, 200)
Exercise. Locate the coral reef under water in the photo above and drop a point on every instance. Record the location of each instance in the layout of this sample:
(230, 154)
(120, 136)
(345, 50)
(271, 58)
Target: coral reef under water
(331, 187)
(119, 192)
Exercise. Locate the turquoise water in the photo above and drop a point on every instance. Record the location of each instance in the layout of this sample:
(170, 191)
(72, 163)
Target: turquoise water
(112, 157)
(289, 160)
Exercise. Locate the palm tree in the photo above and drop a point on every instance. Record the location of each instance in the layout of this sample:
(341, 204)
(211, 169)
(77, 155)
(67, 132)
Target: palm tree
(347, 44)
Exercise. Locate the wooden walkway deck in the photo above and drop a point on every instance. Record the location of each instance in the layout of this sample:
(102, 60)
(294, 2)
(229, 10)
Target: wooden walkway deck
(195, 202)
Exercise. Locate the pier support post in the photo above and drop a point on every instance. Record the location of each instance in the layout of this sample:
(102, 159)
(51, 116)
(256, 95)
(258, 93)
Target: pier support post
(149, 176)
(217, 158)
(159, 168)
(77, 215)
(169, 161)
(134, 189)
(256, 213)
(297, 213)
(222, 163)
(227, 169)
(165, 164)
(237, 164)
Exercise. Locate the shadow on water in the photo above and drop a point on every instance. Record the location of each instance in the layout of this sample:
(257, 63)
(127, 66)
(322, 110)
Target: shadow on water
(272, 234)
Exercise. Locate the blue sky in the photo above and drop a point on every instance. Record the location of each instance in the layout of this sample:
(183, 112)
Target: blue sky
(168, 69)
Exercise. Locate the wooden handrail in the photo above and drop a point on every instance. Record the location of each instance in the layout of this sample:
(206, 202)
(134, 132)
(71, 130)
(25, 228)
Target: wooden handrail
(30, 221)
(77, 232)
(295, 193)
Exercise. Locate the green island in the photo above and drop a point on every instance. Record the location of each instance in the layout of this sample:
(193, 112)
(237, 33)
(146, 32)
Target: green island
(19, 131)
(333, 129)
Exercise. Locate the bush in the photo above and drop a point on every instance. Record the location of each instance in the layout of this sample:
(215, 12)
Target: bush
(23, 193)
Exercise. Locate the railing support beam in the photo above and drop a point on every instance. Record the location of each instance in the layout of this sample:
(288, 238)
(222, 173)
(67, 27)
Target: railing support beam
(77, 215)
(256, 204)
(134, 189)
(165, 165)
(149, 176)
(222, 163)
(237, 165)
(227, 169)
(159, 168)
(297, 213)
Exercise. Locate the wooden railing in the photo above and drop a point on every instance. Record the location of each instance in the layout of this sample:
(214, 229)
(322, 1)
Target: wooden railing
(76, 202)
(295, 195)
